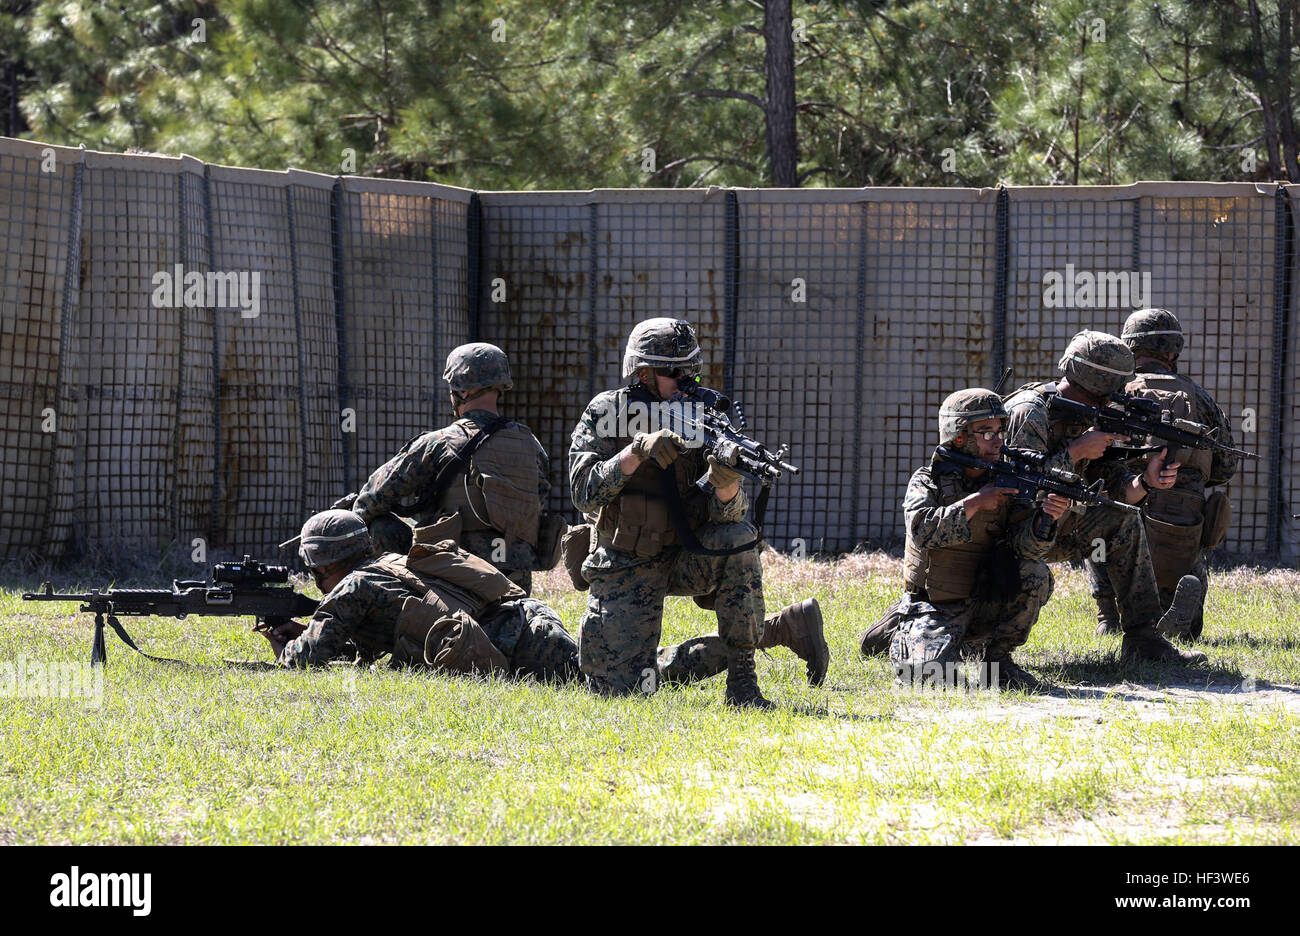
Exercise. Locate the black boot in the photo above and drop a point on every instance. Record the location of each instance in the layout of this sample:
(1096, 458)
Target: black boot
(1107, 616)
(1179, 620)
(1146, 644)
(742, 681)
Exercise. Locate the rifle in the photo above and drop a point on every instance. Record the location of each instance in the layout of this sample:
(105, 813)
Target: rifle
(247, 587)
(1133, 415)
(1027, 472)
(722, 439)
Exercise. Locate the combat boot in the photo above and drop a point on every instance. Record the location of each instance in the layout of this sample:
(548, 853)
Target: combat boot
(1179, 620)
(877, 638)
(1011, 677)
(799, 627)
(1146, 643)
(1107, 616)
(742, 681)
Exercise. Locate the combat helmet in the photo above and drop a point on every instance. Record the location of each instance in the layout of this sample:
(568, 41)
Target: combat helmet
(332, 536)
(960, 409)
(1155, 330)
(662, 343)
(1097, 362)
(477, 366)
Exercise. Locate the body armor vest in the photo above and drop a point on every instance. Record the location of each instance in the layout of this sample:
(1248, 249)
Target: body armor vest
(1175, 518)
(1176, 395)
(498, 489)
(445, 582)
(948, 573)
(637, 521)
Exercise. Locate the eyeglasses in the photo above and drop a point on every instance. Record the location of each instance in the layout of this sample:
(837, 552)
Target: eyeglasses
(678, 373)
(988, 435)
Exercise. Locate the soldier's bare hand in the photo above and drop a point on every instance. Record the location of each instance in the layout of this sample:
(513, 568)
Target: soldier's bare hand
(661, 447)
(278, 637)
(1093, 444)
(1161, 474)
(987, 498)
(1055, 506)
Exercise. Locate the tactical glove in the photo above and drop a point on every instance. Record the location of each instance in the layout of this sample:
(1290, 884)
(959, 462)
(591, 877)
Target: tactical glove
(661, 447)
(720, 476)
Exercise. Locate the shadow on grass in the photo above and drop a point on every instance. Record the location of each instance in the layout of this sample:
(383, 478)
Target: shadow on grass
(1100, 677)
(1249, 640)
(816, 711)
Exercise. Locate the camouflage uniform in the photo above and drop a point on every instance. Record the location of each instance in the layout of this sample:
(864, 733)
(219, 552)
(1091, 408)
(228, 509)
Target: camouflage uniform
(412, 471)
(357, 621)
(942, 612)
(620, 632)
(1158, 330)
(621, 629)
(1127, 557)
(391, 500)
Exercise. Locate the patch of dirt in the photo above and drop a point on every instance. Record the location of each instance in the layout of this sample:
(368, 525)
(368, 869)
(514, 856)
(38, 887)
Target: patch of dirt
(1146, 702)
(1133, 818)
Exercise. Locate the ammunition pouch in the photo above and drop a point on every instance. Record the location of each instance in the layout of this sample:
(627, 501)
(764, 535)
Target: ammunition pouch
(1218, 519)
(575, 546)
(550, 541)
(636, 523)
(1174, 549)
(451, 643)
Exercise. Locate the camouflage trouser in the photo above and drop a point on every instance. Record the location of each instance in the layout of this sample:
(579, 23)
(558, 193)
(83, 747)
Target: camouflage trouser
(1123, 542)
(620, 632)
(544, 650)
(935, 632)
(533, 639)
(1099, 583)
(391, 533)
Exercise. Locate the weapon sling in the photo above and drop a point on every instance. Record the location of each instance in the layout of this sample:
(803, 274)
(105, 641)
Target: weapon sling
(690, 542)
(458, 463)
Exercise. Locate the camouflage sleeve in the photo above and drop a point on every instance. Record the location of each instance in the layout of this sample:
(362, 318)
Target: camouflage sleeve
(1029, 428)
(931, 525)
(405, 474)
(731, 512)
(595, 476)
(543, 474)
(1026, 544)
(329, 633)
(360, 614)
(1222, 465)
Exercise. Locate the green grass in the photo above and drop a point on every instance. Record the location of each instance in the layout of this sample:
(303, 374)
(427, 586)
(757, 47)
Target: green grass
(1146, 754)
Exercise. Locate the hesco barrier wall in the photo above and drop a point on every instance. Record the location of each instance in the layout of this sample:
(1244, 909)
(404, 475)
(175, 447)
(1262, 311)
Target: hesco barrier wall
(839, 318)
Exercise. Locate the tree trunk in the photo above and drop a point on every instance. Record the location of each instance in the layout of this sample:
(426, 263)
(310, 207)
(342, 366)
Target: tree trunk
(1264, 88)
(781, 142)
(1285, 117)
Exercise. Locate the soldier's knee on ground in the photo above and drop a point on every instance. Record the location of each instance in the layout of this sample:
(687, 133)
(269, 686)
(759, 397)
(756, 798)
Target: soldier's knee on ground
(616, 649)
(390, 534)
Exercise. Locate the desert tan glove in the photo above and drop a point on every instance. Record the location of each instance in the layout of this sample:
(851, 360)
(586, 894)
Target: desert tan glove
(720, 476)
(661, 447)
